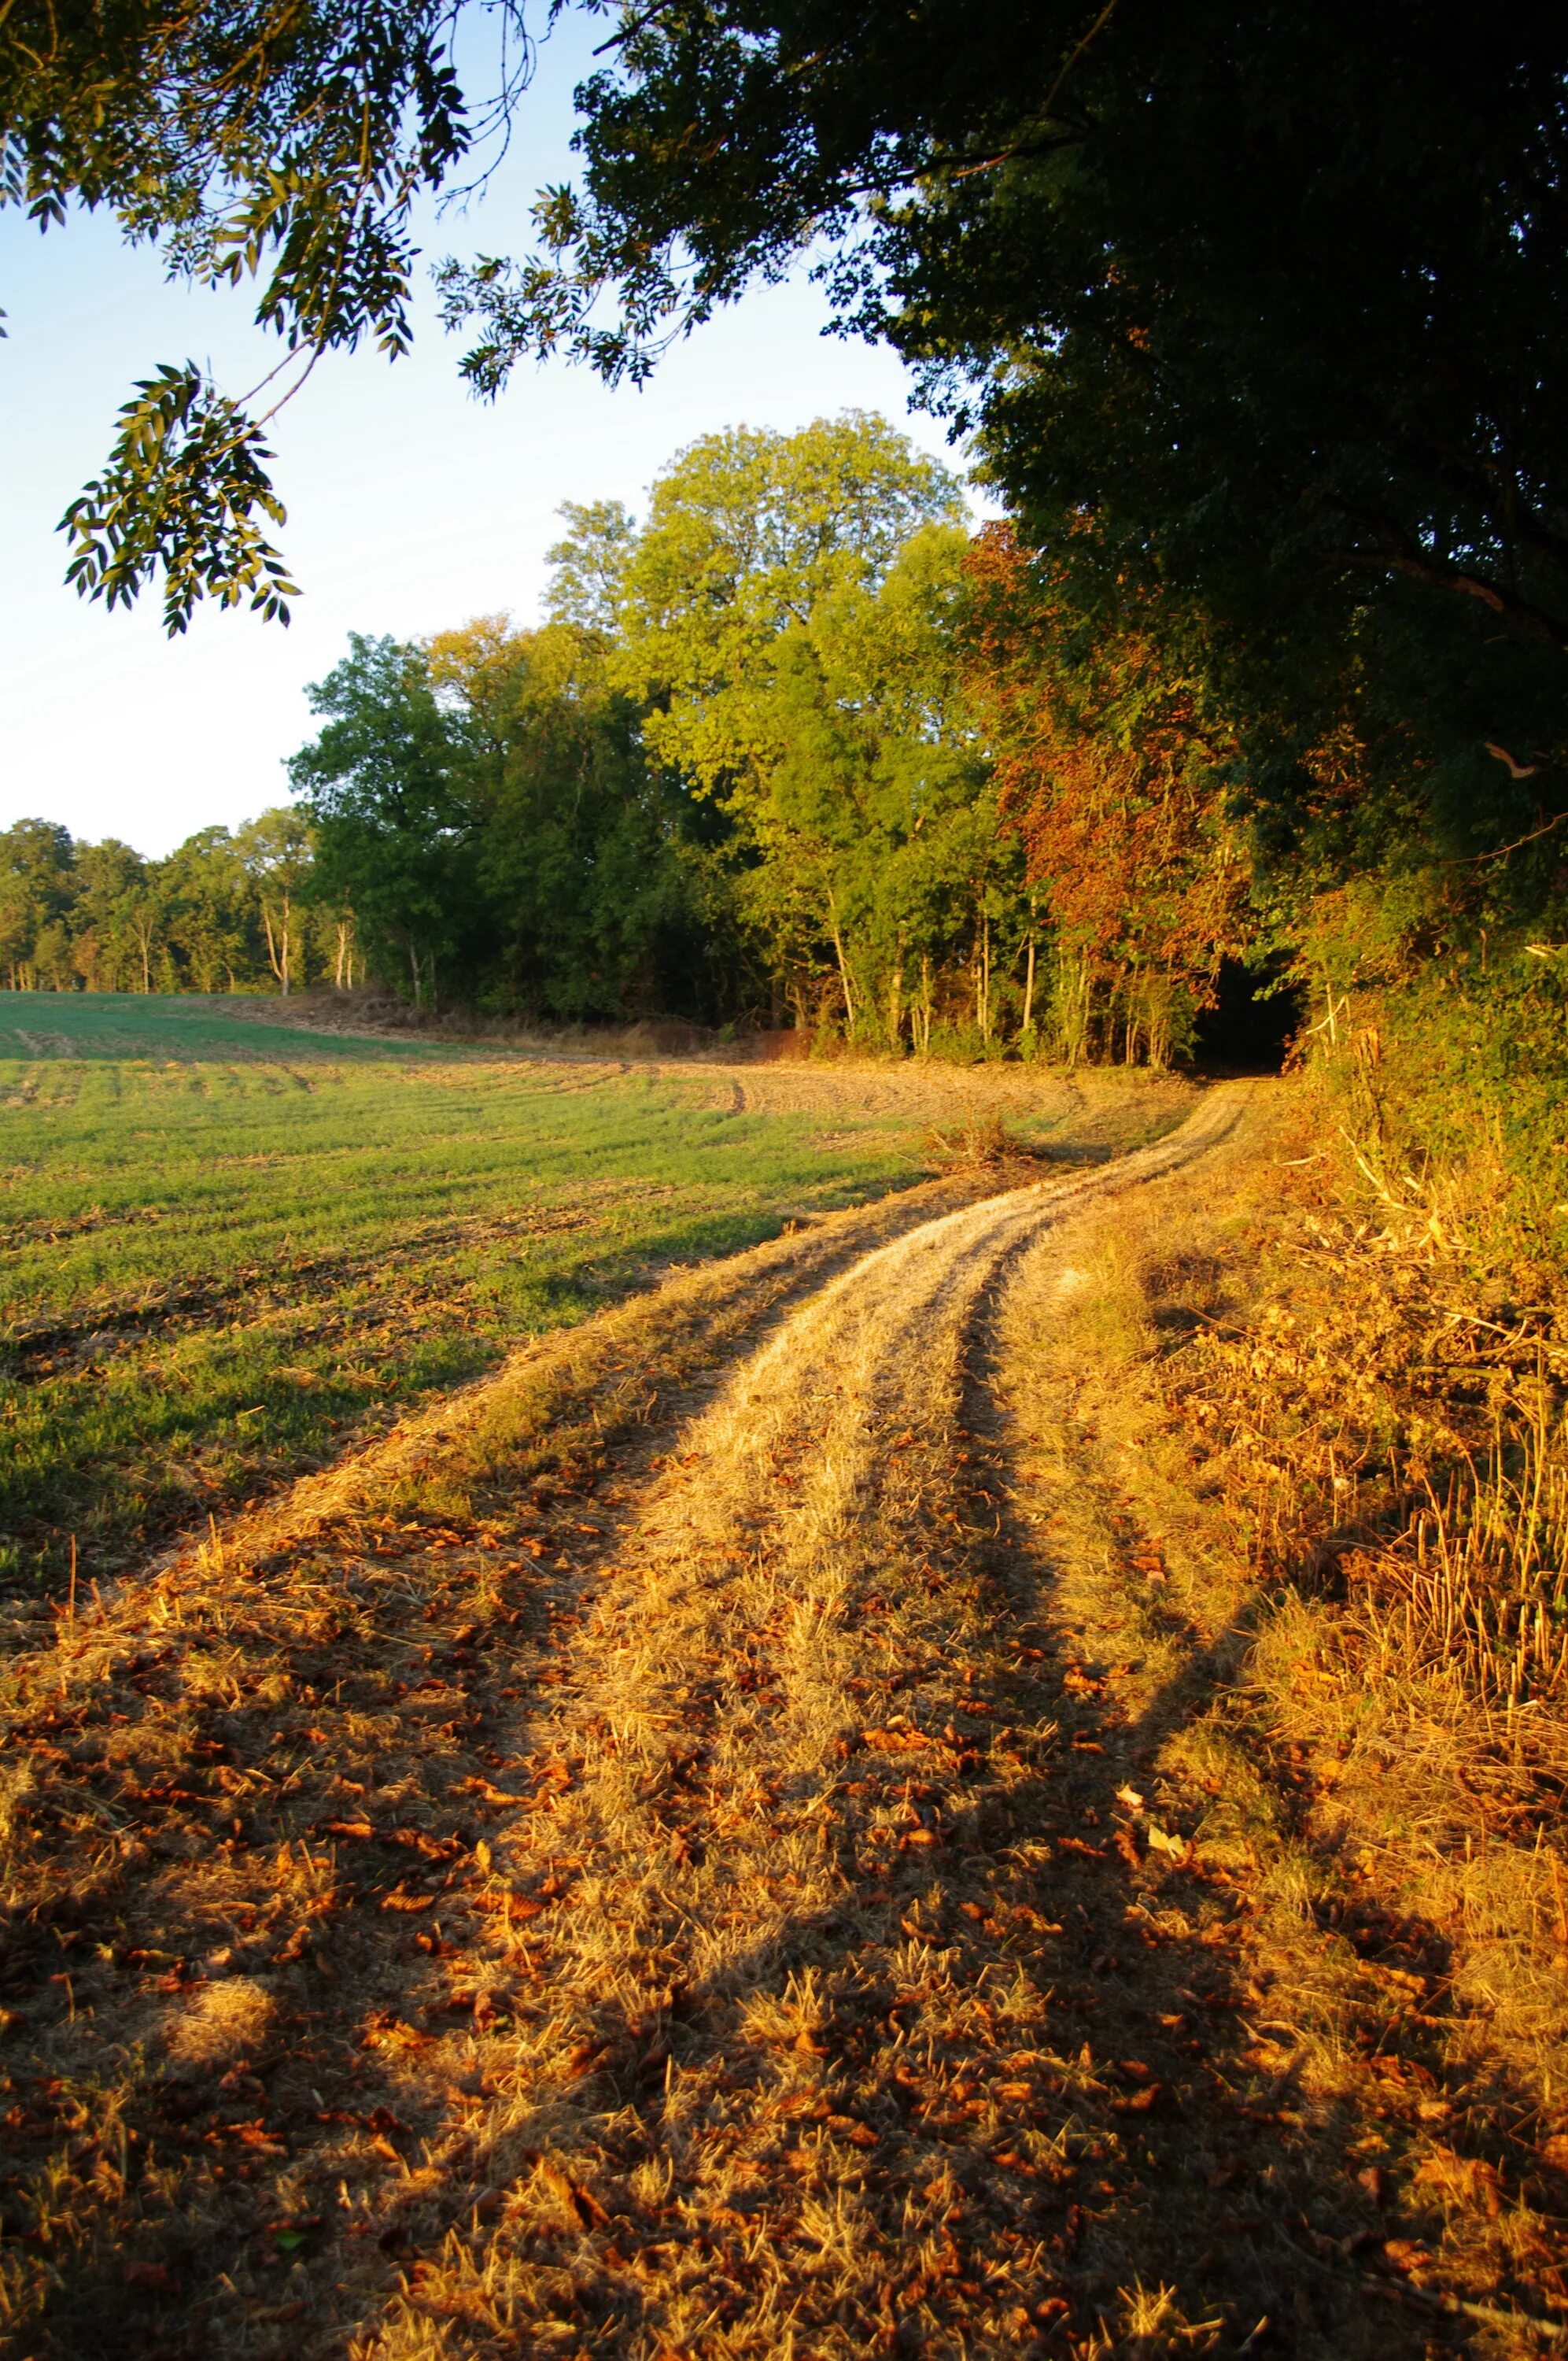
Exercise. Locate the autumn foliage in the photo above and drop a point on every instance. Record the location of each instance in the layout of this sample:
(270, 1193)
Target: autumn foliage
(1116, 778)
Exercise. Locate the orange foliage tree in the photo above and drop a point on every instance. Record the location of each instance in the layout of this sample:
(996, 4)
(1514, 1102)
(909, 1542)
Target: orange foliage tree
(1117, 778)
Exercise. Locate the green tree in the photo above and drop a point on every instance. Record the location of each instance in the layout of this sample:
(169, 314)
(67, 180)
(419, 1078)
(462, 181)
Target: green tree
(589, 856)
(869, 834)
(786, 620)
(37, 886)
(116, 919)
(386, 786)
(275, 853)
(746, 532)
(212, 912)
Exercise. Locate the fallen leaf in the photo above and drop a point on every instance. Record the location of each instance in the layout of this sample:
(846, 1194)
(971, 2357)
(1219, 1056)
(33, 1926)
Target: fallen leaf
(1469, 2180)
(1131, 1797)
(154, 2277)
(490, 1794)
(583, 2202)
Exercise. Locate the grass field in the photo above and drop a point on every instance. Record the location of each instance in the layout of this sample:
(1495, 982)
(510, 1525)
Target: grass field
(229, 1245)
(225, 1243)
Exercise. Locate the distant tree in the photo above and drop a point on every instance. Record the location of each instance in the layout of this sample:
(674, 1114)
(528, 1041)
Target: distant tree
(117, 917)
(584, 850)
(37, 886)
(387, 787)
(589, 565)
(213, 911)
(1119, 775)
(866, 817)
(275, 853)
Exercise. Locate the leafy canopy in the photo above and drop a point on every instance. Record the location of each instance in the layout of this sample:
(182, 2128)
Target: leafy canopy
(280, 141)
(1266, 305)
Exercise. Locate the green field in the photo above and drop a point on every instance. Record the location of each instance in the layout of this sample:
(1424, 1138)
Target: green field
(229, 1246)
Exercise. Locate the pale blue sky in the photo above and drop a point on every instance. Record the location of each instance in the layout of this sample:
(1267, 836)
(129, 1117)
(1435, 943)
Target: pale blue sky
(410, 506)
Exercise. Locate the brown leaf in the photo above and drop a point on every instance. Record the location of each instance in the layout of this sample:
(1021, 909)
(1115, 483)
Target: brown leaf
(401, 1901)
(583, 2202)
(490, 1794)
(1472, 2180)
(154, 2277)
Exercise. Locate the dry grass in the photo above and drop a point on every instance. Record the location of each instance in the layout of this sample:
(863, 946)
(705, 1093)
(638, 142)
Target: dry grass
(770, 1829)
(1261, 1384)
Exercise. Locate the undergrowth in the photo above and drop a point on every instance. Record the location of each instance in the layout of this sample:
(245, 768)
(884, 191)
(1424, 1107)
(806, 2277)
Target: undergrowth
(1330, 1390)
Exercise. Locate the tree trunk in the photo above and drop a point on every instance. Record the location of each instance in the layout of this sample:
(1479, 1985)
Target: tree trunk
(982, 977)
(896, 1001)
(843, 968)
(1029, 989)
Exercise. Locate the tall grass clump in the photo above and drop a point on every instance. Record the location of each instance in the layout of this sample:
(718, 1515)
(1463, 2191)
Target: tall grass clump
(1397, 1399)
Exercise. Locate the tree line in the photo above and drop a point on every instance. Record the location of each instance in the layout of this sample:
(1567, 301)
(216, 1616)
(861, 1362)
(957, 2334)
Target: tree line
(1257, 322)
(797, 747)
(796, 750)
(801, 747)
(229, 910)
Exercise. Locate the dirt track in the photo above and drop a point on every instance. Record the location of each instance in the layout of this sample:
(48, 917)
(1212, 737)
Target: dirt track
(682, 1892)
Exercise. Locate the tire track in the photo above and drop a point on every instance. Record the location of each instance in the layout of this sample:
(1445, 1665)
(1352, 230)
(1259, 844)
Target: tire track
(688, 1951)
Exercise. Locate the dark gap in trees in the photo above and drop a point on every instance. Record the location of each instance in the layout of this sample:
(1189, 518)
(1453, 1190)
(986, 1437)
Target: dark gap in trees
(1252, 1023)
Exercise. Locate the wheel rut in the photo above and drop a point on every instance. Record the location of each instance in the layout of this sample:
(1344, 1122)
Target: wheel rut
(686, 1902)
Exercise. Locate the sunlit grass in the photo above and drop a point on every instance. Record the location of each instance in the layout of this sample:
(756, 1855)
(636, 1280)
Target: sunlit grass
(224, 1245)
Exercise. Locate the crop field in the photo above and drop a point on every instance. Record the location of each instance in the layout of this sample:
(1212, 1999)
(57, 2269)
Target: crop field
(230, 1246)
